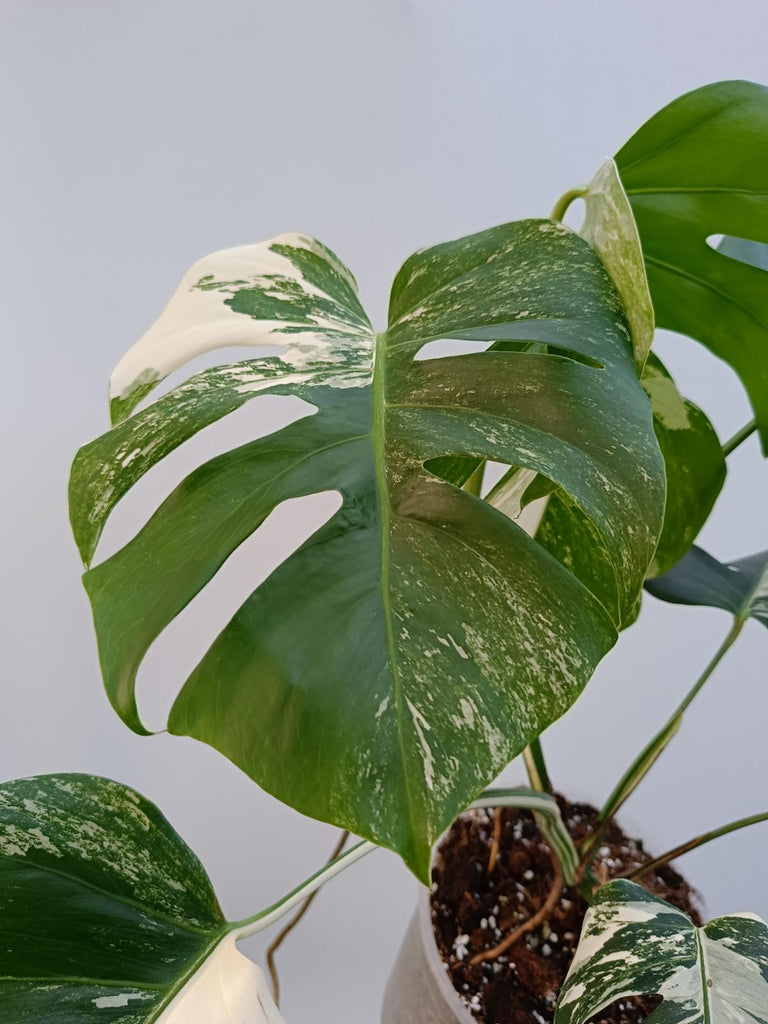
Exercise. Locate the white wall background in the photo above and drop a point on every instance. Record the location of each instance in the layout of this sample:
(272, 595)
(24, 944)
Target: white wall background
(138, 136)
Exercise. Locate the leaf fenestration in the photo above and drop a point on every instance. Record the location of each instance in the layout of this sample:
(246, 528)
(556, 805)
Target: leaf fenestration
(697, 169)
(392, 665)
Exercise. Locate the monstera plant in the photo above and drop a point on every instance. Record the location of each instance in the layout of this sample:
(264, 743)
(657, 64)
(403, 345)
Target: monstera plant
(390, 667)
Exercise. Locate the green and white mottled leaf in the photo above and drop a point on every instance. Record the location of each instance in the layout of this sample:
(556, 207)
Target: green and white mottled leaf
(634, 944)
(107, 916)
(697, 169)
(739, 587)
(609, 227)
(695, 470)
(693, 460)
(414, 645)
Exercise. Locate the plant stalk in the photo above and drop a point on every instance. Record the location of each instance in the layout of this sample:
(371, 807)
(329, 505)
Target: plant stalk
(560, 208)
(288, 928)
(741, 435)
(474, 483)
(536, 767)
(640, 767)
(692, 844)
(251, 925)
(494, 797)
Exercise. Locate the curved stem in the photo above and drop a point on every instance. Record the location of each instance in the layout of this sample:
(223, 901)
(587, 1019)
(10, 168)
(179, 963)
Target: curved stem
(640, 767)
(250, 925)
(741, 435)
(536, 767)
(561, 206)
(705, 837)
(490, 797)
(288, 928)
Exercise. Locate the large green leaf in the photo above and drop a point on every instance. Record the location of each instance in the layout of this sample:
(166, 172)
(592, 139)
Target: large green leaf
(107, 916)
(391, 666)
(634, 944)
(699, 168)
(739, 587)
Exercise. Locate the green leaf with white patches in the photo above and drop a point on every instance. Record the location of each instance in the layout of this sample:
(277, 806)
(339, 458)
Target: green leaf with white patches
(698, 169)
(693, 460)
(106, 915)
(695, 471)
(739, 587)
(609, 227)
(414, 645)
(634, 944)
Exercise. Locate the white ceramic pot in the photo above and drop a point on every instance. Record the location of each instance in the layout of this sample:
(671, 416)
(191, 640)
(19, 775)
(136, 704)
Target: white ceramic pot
(419, 990)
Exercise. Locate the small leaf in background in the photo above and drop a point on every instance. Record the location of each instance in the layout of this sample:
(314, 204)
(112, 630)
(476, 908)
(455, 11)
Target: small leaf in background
(695, 470)
(739, 587)
(435, 638)
(697, 169)
(694, 462)
(609, 227)
(107, 916)
(634, 944)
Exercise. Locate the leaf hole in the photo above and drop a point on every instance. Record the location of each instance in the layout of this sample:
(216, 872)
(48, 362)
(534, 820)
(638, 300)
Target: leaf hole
(742, 250)
(205, 361)
(182, 644)
(264, 415)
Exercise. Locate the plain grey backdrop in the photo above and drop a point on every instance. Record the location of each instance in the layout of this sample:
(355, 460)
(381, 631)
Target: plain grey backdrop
(139, 135)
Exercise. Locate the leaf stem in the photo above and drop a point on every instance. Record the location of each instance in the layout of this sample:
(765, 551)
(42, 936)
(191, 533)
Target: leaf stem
(692, 844)
(288, 928)
(544, 807)
(536, 767)
(640, 767)
(250, 925)
(560, 208)
(741, 435)
(474, 482)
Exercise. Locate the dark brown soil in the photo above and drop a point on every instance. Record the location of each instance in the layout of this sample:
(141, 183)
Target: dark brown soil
(473, 910)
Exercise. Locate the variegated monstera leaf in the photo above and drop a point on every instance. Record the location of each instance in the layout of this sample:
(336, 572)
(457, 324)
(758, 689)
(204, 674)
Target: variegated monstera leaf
(634, 944)
(107, 916)
(392, 665)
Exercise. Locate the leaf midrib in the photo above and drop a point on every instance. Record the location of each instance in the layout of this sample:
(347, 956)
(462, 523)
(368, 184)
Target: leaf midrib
(378, 437)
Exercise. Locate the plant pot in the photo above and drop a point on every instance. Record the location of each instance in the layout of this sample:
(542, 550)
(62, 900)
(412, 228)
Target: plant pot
(418, 990)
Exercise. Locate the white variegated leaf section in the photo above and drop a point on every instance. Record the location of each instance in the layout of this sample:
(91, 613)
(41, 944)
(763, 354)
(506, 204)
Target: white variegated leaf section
(307, 318)
(634, 944)
(227, 989)
(609, 227)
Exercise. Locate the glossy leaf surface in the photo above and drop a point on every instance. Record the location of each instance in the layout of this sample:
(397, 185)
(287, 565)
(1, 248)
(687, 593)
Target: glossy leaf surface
(107, 916)
(697, 169)
(693, 460)
(390, 667)
(609, 227)
(739, 587)
(634, 944)
(695, 470)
